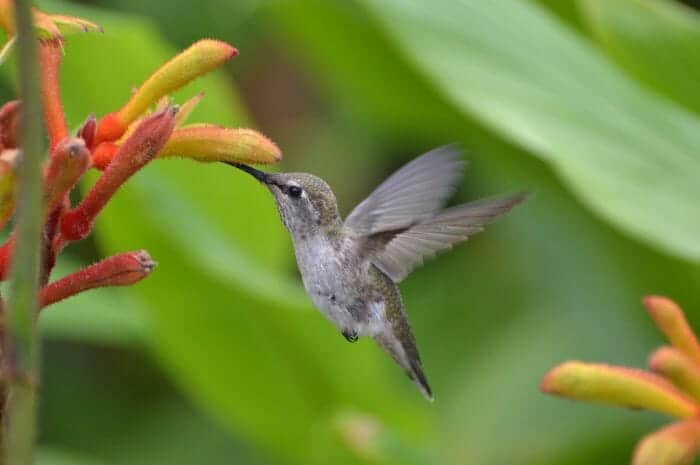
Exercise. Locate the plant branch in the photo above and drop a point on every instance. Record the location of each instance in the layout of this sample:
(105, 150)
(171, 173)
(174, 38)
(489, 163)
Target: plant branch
(21, 344)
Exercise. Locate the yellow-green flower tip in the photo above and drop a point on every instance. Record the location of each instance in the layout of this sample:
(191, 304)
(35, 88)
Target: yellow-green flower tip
(208, 143)
(199, 59)
(678, 368)
(670, 320)
(676, 444)
(620, 386)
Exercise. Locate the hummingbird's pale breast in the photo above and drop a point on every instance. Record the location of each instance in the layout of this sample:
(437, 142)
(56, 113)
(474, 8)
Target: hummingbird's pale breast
(340, 284)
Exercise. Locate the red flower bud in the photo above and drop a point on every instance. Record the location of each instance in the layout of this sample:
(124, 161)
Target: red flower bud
(9, 124)
(6, 255)
(119, 270)
(140, 148)
(69, 161)
(87, 131)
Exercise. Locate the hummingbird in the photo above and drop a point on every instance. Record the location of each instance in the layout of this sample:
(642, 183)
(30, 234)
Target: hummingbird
(351, 269)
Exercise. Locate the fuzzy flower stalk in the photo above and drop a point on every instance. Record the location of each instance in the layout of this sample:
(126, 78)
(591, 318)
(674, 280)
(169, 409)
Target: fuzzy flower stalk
(671, 387)
(149, 126)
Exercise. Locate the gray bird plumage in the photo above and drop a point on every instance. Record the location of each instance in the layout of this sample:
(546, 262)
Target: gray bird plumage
(351, 269)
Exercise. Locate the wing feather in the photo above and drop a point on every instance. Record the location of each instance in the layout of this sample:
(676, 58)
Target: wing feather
(409, 248)
(414, 192)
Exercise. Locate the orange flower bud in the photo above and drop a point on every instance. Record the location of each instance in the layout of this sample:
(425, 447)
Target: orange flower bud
(103, 154)
(208, 143)
(109, 128)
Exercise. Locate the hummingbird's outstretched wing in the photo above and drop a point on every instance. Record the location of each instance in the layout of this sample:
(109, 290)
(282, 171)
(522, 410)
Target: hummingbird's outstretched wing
(414, 192)
(398, 254)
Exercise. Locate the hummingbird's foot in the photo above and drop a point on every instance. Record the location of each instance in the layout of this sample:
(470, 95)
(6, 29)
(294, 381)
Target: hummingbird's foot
(350, 336)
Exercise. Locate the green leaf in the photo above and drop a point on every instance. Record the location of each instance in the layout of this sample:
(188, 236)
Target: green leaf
(51, 456)
(656, 41)
(629, 155)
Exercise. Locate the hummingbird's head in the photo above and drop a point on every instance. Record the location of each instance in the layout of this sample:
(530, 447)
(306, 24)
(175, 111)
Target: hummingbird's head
(305, 202)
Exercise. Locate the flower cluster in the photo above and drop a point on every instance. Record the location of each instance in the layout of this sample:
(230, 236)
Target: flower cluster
(148, 126)
(671, 387)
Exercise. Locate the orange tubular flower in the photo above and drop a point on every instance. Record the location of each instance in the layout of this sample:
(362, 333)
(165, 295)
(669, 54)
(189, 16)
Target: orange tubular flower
(210, 143)
(147, 140)
(199, 59)
(673, 388)
(50, 55)
(121, 143)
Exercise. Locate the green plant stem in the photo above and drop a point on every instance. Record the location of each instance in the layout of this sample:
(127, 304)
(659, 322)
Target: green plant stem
(21, 357)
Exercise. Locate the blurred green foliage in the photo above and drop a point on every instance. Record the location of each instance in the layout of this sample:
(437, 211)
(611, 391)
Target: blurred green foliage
(219, 357)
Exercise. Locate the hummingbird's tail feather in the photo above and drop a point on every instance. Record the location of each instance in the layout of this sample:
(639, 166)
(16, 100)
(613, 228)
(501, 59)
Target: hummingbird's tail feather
(406, 355)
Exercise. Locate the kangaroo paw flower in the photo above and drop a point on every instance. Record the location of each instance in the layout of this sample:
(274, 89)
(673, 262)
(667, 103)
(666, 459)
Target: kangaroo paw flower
(674, 388)
(146, 141)
(200, 58)
(119, 270)
(209, 143)
(669, 318)
(619, 386)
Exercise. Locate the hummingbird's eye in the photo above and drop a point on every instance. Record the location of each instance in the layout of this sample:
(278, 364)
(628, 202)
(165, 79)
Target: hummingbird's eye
(294, 191)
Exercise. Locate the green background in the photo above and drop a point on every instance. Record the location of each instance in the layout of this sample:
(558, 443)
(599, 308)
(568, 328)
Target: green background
(219, 358)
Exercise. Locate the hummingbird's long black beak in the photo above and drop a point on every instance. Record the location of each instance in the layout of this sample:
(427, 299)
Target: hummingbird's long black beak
(257, 174)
